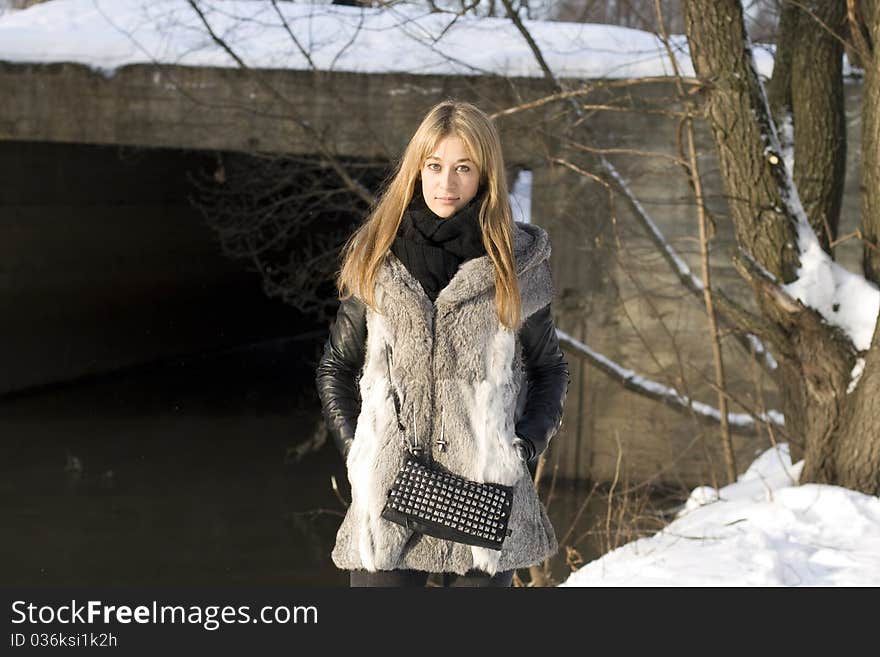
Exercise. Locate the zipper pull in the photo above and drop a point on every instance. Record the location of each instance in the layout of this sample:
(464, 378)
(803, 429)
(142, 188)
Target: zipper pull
(416, 448)
(442, 442)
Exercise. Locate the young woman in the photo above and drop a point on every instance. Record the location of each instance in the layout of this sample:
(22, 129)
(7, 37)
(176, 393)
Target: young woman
(445, 310)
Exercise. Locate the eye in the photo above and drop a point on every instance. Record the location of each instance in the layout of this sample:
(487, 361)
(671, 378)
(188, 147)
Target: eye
(431, 166)
(463, 168)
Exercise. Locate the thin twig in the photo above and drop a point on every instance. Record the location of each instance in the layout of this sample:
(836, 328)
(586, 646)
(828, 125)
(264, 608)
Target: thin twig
(611, 490)
(293, 38)
(855, 30)
(580, 512)
(623, 151)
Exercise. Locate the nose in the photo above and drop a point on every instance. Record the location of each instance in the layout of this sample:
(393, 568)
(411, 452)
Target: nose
(449, 180)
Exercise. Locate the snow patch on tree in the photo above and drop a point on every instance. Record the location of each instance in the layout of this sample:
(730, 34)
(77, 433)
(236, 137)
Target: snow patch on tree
(844, 299)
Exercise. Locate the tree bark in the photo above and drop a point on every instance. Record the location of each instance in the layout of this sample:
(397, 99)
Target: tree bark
(858, 453)
(870, 145)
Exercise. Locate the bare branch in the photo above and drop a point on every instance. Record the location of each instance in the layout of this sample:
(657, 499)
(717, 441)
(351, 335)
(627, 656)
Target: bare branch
(514, 16)
(356, 187)
(585, 91)
(741, 423)
(580, 171)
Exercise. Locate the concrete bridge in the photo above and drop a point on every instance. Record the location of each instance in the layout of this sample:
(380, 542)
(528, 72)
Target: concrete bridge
(608, 278)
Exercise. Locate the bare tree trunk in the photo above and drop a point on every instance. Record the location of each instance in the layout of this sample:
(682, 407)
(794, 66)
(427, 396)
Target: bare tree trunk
(816, 359)
(807, 87)
(751, 169)
(859, 452)
(819, 120)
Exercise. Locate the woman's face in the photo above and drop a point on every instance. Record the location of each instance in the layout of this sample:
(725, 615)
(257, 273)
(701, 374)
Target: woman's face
(450, 177)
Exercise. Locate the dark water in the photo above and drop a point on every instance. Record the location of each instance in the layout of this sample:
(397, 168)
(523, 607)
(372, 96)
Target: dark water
(170, 475)
(180, 474)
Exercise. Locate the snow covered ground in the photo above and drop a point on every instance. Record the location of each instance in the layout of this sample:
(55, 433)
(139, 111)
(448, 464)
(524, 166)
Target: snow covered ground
(763, 530)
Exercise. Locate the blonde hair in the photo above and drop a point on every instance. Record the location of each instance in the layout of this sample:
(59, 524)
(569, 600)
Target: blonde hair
(367, 248)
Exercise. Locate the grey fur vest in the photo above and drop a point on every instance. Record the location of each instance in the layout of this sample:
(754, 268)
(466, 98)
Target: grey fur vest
(457, 371)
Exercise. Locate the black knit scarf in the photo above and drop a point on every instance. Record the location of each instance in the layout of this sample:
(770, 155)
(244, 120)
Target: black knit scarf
(432, 248)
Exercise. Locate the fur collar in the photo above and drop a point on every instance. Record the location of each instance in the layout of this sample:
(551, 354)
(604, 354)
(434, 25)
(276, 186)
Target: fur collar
(531, 248)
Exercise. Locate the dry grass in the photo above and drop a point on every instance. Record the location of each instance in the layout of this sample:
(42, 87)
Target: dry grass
(616, 513)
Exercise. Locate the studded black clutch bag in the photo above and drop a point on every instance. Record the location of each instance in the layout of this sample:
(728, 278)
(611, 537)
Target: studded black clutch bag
(438, 503)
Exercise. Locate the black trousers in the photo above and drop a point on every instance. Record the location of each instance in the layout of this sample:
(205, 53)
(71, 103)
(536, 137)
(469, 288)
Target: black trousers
(418, 578)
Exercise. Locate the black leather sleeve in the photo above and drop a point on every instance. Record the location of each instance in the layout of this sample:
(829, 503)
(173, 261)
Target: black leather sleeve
(547, 372)
(339, 371)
